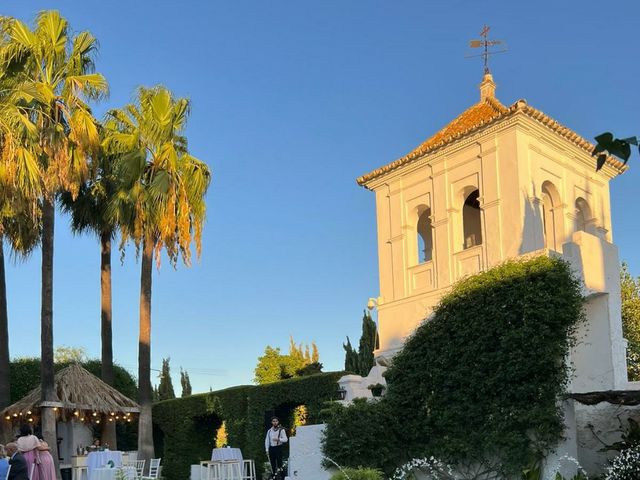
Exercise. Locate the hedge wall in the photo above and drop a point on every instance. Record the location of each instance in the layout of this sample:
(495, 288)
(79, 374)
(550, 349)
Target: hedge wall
(188, 425)
(477, 384)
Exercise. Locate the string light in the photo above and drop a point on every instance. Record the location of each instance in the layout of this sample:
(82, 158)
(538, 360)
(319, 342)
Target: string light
(8, 417)
(95, 414)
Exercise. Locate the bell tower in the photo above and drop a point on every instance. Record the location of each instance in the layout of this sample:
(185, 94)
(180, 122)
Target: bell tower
(497, 182)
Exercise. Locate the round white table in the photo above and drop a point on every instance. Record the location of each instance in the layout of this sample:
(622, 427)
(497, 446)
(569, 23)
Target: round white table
(226, 454)
(100, 459)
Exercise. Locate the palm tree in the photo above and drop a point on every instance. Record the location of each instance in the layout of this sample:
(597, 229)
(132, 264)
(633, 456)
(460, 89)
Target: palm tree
(61, 70)
(160, 205)
(19, 185)
(89, 215)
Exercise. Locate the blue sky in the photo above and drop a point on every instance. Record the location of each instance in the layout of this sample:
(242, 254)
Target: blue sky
(291, 101)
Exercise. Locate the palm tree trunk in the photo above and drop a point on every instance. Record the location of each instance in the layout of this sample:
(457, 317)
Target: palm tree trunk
(5, 389)
(48, 417)
(145, 425)
(108, 428)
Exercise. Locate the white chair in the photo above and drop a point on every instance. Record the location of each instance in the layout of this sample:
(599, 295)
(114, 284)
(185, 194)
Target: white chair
(154, 469)
(248, 470)
(139, 466)
(8, 470)
(33, 467)
(77, 473)
(130, 472)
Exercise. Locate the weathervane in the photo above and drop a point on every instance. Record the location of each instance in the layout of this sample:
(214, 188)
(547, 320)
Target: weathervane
(485, 43)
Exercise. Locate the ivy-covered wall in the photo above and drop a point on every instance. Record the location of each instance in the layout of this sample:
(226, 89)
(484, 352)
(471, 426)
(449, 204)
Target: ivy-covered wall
(477, 385)
(187, 426)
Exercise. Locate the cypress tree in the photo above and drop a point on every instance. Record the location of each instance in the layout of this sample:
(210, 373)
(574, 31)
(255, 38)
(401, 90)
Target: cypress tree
(185, 382)
(165, 389)
(368, 343)
(350, 358)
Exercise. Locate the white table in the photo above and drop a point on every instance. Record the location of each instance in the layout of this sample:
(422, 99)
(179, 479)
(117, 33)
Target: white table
(110, 473)
(100, 459)
(226, 454)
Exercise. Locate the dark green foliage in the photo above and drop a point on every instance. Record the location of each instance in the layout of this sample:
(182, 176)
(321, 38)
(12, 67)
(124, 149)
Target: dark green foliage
(361, 361)
(364, 433)
(357, 474)
(165, 389)
(245, 410)
(185, 382)
(368, 343)
(480, 381)
(350, 357)
(25, 376)
(310, 369)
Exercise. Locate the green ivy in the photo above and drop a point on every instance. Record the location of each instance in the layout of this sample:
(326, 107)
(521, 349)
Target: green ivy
(194, 420)
(480, 382)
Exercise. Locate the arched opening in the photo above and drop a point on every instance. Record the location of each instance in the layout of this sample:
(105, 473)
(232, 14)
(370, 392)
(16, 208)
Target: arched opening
(471, 222)
(583, 216)
(425, 237)
(551, 220)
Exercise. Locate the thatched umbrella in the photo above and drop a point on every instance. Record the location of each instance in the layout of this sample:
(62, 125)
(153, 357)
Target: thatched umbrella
(79, 393)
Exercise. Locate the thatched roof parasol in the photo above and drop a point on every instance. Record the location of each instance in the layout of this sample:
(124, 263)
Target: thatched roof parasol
(77, 390)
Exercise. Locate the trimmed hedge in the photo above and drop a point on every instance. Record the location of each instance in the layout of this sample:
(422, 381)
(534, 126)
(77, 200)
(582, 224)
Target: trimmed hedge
(480, 382)
(188, 425)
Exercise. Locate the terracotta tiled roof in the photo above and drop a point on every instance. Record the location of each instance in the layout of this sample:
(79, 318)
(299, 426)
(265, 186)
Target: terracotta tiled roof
(483, 113)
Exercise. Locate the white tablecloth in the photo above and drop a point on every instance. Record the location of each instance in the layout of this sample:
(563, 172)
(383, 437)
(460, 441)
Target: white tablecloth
(110, 473)
(198, 472)
(226, 454)
(100, 459)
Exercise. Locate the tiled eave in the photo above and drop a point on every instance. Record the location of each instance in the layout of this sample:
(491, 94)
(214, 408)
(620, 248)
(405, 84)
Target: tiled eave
(500, 114)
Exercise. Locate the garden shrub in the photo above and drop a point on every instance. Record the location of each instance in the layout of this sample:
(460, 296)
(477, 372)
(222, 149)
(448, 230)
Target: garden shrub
(357, 474)
(480, 381)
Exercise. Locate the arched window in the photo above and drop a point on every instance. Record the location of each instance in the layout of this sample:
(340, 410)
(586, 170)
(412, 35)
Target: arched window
(583, 216)
(550, 216)
(425, 237)
(471, 223)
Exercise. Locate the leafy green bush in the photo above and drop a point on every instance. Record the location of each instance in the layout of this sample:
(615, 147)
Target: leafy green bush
(477, 383)
(357, 474)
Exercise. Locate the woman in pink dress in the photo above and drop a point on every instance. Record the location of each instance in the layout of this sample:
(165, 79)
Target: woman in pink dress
(36, 453)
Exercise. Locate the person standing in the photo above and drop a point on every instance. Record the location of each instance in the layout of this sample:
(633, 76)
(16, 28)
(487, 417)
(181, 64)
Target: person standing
(19, 469)
(274, 444)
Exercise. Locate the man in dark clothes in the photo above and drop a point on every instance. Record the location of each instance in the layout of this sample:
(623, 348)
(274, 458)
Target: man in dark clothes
(17, 462)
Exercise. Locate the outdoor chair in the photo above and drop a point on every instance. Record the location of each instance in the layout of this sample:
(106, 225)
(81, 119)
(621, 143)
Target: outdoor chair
(248, 470)
(33, 467)
(8, 470)
(154, 469)
(77, 473)
(139, 464)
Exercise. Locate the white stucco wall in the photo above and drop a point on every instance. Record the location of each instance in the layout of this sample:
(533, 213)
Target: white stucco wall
(305, 454)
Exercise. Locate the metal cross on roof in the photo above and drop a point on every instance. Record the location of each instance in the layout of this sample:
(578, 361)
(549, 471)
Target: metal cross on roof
(485, 43)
